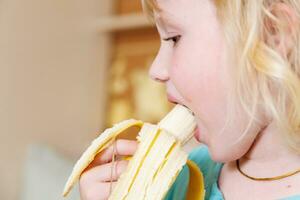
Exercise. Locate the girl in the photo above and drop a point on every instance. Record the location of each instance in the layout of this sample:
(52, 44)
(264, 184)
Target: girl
(236, 65)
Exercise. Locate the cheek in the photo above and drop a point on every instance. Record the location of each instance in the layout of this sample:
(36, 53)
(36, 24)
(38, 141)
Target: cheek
(201, 77)
(199, 73)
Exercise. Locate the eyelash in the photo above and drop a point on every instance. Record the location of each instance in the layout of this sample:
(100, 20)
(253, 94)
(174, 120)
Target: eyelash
(174, 39)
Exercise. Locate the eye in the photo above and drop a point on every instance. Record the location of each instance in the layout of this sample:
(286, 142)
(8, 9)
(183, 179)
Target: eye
(174, 39)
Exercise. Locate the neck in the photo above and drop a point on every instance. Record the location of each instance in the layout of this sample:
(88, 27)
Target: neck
(269, 152)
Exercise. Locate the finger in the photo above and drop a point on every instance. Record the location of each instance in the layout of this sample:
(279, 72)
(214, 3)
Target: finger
(105, 172)
(97, 191)
(122, 147)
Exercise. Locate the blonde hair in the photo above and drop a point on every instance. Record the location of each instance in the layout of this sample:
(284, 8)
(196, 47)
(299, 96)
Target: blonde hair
(264, 78)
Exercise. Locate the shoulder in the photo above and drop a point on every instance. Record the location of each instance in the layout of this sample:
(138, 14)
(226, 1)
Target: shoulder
(209, 168)
(202, 158)
(200, 154)
(179, 187)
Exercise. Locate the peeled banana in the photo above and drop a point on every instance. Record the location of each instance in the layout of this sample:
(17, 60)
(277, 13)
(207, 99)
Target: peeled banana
(157, 161)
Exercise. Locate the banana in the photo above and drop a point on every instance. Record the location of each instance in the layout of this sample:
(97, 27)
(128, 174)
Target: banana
(157, 161)
(99, 144)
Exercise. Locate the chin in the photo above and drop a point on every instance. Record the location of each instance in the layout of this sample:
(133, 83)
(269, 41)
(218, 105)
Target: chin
(223, 155)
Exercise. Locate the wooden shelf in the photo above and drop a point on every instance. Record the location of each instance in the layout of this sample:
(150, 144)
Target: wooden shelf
(123, 22)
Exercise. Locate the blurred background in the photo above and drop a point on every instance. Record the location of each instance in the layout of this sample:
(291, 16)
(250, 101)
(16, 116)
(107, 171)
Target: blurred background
(68, 70)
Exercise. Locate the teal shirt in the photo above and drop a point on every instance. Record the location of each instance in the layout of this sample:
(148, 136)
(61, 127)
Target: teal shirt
(211, 171)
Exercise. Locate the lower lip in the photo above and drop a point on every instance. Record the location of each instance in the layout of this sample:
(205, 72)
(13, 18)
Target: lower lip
(197, 134)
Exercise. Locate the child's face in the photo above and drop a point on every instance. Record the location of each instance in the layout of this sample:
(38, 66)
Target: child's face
(195, 67)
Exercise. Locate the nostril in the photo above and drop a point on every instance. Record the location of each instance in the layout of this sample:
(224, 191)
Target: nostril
(159, 76)
(158, 71)
(158, 79)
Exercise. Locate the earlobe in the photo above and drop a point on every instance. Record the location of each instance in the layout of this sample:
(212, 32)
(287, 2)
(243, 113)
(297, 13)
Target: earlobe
(281, 27)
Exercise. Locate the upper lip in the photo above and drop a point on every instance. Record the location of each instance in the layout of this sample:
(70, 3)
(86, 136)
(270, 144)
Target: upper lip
(174, 100)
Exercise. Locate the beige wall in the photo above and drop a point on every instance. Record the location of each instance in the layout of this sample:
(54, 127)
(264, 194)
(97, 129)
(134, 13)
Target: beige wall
(52, 78)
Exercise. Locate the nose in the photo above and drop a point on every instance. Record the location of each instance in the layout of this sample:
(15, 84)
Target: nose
(159, 69)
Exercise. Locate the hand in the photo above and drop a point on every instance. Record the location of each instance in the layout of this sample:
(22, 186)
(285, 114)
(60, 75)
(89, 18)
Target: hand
(95, 181)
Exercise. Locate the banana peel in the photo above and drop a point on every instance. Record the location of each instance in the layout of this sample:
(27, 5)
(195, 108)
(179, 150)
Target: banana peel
(196, 187)
(157, 162)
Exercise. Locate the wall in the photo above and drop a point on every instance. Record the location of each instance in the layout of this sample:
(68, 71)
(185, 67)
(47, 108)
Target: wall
(52, 79)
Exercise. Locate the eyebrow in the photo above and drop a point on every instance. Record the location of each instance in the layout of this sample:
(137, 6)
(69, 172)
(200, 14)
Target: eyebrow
(166, 20)
(165, 17)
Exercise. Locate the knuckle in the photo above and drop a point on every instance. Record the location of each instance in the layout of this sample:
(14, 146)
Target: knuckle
(92, 193)
(121, 166)
(84, 179)
(119, 143)
(123, 163)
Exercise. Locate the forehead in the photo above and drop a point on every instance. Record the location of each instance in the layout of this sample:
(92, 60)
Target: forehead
(169, 8)
(175, 7)
(180, 11)
(165, 4)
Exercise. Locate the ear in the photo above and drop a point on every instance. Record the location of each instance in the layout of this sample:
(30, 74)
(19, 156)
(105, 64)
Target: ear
(281, 27)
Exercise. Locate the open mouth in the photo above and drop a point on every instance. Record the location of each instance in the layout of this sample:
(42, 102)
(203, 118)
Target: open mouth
(174, 100)
(196, 131)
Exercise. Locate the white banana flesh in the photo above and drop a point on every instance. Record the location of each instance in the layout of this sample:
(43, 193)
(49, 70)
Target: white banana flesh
(155, 165)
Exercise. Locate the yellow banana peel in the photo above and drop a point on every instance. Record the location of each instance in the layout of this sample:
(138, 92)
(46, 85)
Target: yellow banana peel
(157, 161)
